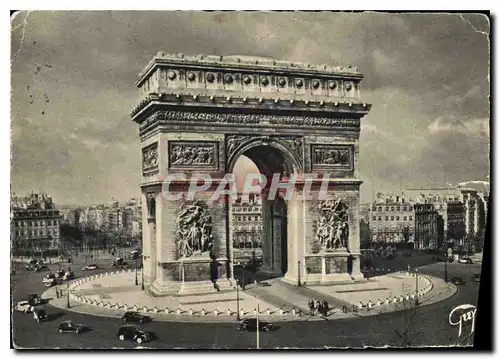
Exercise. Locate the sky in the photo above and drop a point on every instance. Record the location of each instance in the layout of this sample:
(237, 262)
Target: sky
(73, 74)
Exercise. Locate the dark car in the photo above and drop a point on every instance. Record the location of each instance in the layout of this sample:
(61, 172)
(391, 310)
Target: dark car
(69, 327)
(135, 317)
(34, 299)
(251, 325)
(130, 332)
(457, 280)
(42, 315)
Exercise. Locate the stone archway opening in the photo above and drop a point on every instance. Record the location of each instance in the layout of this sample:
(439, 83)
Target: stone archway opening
(270, 254)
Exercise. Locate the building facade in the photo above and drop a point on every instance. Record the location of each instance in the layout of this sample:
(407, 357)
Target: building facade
(34, 224)
(426, 226)
(247, 223)
(392, 220)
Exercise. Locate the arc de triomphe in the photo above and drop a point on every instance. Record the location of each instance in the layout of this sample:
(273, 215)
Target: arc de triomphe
(199, 114)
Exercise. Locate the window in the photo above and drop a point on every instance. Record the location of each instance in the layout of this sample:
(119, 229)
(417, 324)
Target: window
(410, 218)
(404, 218)
(380, 208)
(397, 218)
(392, 208)
(409, 208)
(392, 218)
(404, 208)
(398, 208)
(386, 208)
(386, 218)
(374, 218)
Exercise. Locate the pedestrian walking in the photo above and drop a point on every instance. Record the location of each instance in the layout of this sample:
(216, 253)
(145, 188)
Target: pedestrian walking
(214, 272)
(326, 308)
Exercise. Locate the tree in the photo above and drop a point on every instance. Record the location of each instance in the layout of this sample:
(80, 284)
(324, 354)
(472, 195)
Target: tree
(405, 231)
(364, 234)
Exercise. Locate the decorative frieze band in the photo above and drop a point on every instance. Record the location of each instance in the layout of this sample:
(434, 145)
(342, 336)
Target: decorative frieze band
(150, 160)
(172, 117)
(193, 154)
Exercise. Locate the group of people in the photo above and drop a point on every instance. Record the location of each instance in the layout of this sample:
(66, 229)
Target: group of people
(318, 307)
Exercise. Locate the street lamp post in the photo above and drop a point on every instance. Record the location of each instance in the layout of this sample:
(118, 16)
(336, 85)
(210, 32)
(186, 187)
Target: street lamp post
(298, 274)
(237, 298)
(446, 267)
(416, 286)
(136, 279)
(237, 301)
(142, 274)
(68, 305)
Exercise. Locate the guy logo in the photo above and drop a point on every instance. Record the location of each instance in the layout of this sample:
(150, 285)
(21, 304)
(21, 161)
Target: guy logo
(466, 313)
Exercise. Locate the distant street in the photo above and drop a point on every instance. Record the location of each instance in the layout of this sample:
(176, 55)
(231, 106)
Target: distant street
(429, 327)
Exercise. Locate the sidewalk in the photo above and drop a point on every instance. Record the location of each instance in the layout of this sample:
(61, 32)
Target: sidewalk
(373, 289)
(112, 295)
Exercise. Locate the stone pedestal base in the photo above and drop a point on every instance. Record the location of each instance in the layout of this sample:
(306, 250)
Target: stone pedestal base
(158, 289)
(330, 267)
(190, 276)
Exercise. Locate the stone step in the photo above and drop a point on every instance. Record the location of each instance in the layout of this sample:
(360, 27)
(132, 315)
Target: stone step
(204, 287)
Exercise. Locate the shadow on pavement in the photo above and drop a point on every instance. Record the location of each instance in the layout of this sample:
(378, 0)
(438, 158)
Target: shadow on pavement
(54, 316)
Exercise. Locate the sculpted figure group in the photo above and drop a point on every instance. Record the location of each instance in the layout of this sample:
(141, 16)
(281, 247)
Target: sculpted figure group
(333, 231)
(194, 229)
(191, 155)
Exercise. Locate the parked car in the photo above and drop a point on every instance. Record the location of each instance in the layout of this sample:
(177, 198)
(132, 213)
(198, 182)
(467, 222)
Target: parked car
(60, 273)
(476, 277)
(135, 317)
(250, 324)
(69, 327)
(457, 280)
(465, 260)
(34, 299)
(23, 307)
(130, 332)
(90, 267)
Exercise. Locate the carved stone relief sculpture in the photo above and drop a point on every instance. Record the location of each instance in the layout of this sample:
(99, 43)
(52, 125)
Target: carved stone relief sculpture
(194, 230)
(235, 141)
(294, 144)
(336, 156)
(332, 230)
(185, 154)
(150, 158)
